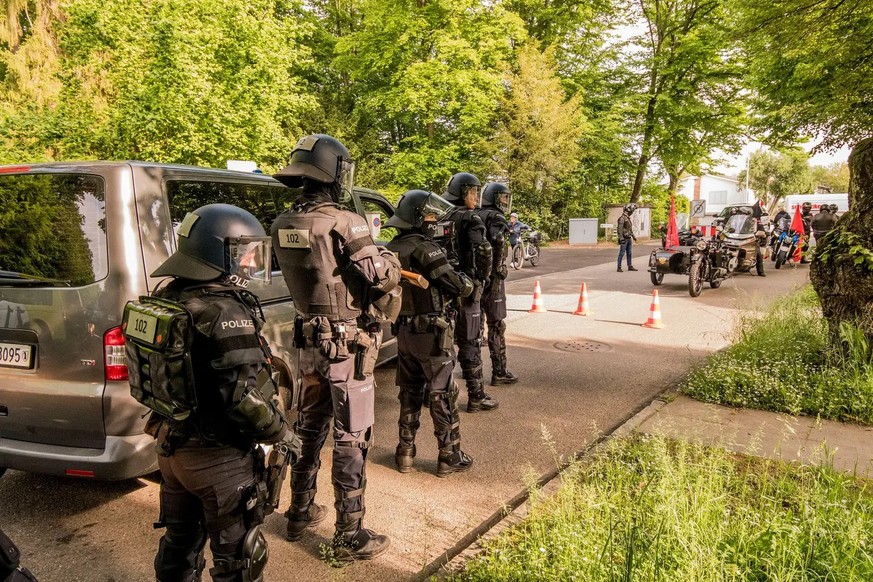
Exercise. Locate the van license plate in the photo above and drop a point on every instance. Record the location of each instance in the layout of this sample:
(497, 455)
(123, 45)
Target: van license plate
(16, 356)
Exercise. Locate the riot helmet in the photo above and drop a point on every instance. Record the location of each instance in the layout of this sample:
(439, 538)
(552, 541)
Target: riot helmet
(324, 159)
(497, 195)
(630, 208)
(833, 208)
(806, 208)
(460, 186)
(415, 206)
(220, 240)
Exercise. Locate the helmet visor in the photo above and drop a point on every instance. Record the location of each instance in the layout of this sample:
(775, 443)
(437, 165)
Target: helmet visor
(345, 177)
(437, 206)
(503, 201)
(248, 257)
(472, 195)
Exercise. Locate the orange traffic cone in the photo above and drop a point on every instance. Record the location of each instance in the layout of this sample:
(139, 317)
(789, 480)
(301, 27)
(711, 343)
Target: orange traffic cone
(654, 320)
(582, 308)
(537, 306)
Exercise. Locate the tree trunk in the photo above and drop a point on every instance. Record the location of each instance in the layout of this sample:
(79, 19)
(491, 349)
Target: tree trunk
(842, 269)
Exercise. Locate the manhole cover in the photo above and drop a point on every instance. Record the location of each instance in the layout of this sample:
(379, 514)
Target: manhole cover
(582, 346)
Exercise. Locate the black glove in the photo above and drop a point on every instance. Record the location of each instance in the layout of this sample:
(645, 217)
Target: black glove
(502, 271)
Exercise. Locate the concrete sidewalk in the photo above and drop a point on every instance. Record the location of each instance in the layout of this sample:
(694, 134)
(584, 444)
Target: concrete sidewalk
(800, 439)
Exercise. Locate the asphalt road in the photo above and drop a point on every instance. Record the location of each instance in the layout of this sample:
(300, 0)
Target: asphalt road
(581, 377)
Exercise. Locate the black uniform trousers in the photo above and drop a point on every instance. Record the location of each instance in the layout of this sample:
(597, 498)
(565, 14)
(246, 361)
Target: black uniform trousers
(201, 495)
(330, 390)
(494, 311)
(422, 365)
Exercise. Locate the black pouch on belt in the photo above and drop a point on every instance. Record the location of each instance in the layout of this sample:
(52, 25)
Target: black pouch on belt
(366, 354)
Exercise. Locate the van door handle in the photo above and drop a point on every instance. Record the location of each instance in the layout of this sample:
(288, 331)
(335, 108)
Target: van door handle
(3, 410)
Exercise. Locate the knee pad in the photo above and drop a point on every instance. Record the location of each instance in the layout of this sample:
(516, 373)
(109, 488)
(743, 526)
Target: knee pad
(500, 326)
(252, 558)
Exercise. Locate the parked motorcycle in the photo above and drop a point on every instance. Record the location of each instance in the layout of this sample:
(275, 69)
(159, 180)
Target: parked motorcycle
(785, 246)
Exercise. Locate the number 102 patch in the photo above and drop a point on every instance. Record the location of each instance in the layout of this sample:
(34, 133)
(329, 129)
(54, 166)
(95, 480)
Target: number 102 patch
(294, 238)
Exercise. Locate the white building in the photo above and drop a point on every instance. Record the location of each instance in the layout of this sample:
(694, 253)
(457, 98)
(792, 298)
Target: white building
(717, 191)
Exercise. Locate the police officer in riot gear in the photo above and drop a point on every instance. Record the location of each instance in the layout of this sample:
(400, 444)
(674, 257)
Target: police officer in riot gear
(496, 202)
(210, 468)
(426, 354)
(469, 251)
(344, 287)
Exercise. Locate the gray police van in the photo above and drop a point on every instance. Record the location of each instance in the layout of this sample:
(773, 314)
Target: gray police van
(77, 241)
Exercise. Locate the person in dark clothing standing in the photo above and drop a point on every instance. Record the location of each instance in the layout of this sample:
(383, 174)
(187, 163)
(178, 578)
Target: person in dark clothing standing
(626, 237)
(426, 353)
(496, 201)
(823, 222)
(806, 216)
(208, 400)
(469, 251)
(343, 287)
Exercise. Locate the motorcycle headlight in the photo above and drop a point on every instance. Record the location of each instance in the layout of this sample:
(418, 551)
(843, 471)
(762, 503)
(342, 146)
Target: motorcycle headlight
(701, 245)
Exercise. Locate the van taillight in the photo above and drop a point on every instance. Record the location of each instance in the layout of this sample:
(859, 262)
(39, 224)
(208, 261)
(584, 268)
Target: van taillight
(114, 357)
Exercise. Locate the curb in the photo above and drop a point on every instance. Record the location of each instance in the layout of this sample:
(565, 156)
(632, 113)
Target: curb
(515, 510)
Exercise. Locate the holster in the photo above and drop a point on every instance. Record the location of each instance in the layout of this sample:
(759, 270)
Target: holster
(366, 354)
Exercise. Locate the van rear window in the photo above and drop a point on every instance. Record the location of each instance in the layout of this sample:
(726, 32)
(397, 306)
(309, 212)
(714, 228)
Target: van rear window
(53, 227)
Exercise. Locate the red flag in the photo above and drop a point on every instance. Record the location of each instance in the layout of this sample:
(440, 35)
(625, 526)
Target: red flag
(797, 226)
(672, 229)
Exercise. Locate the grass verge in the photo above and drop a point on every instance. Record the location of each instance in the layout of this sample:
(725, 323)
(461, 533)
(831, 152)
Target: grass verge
(781, 362)
(647, 508)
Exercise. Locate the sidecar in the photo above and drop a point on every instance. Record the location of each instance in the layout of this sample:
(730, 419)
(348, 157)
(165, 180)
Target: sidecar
(675, 260)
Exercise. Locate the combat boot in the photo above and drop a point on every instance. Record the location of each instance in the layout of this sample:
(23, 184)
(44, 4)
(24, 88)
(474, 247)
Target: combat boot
(360, 544)
(453, 461)
(502, 376)
(404, 457)
(300, 521)
(480, 400)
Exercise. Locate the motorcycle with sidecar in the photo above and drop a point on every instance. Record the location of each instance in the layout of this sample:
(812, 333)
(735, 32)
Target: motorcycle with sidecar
(737, 247)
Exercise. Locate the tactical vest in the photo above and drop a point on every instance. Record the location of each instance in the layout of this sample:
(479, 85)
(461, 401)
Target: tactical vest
(462, 248)
(413, 252)
(199, 332)
(304, 240)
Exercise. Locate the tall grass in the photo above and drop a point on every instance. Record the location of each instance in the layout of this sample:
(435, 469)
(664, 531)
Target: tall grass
(652, 509)
(782, 362)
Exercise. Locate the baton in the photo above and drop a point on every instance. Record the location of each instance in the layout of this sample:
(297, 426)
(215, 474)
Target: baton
(415, 279)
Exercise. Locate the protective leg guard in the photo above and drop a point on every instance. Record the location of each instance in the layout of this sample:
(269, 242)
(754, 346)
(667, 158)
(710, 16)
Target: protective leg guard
(303, 514)
(252, 562)
(180, 553)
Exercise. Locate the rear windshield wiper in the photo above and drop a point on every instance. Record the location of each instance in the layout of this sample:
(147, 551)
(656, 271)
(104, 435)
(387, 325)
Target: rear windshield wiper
(14, 279)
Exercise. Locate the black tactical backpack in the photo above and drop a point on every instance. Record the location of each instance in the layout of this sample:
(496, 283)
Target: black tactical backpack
(158, 334)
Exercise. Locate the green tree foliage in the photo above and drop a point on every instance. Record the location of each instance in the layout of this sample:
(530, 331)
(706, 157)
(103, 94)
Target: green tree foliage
(427, 79)
(834, 176)
(690, 101)
(811, 64)
(775, 175)
(188, 81)
(536, 142)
